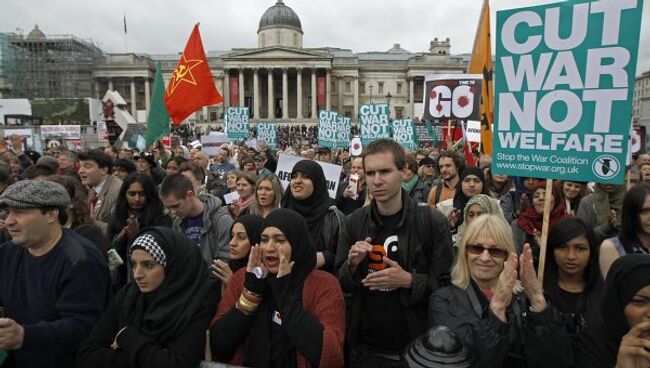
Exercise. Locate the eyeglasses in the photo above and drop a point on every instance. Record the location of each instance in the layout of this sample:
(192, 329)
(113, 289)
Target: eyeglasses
(478, 249)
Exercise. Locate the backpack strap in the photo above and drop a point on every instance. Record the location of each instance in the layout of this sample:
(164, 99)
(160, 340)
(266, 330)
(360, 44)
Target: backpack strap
(438, 193)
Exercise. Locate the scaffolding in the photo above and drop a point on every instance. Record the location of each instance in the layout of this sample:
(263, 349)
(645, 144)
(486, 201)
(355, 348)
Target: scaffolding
(55, 66)
(11, 61)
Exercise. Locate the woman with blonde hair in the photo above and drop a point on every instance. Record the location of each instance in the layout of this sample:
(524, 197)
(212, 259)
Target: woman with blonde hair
(502, 322)
(268, 193)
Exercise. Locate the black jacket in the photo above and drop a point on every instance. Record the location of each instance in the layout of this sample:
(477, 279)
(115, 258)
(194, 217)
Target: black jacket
(528, 340)
(429, 264)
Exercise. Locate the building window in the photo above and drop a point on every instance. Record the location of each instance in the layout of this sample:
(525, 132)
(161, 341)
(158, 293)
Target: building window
(399, 88)
(347, 87)
(380, 88)
(348, 113)
(362, 88)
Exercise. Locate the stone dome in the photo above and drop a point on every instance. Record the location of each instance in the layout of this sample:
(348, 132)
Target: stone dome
(280, 15)
(36, 34)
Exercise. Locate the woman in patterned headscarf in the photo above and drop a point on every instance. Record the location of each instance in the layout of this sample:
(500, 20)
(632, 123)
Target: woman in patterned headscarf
(478, 205)
(159, 320)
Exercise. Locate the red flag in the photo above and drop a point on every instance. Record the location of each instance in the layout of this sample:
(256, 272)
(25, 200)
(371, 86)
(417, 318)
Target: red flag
(191, 86)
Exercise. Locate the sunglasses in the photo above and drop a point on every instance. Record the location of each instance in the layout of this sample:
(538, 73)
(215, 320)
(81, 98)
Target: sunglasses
(478, 249)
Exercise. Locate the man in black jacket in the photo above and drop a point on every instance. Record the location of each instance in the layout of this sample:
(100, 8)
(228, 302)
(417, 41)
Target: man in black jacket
(391, 255)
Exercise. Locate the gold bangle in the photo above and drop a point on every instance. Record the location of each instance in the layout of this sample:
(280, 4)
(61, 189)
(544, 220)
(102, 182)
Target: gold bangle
(247, 303)
(251, 296)
(242, 309)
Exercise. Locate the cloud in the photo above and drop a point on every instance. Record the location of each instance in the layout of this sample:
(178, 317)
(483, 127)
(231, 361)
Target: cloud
(163, 26)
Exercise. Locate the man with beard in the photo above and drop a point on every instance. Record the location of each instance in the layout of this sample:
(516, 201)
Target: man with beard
(450, 164)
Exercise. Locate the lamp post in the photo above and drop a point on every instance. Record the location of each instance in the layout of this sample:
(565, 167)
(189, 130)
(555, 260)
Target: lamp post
(370, 87)
(388, 97)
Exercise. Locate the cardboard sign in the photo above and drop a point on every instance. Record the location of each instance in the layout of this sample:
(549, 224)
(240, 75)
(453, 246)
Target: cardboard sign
(285, 165)
(102, 131)
(452, 96)
(210, 143)
(237, 123)
(564, 88)
(374, 122)
(267, 132)
(473, 132)
(404, 133)
(62, 131)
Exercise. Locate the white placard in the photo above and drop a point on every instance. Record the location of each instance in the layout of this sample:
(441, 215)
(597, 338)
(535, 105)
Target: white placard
(61, 131)
(285, 165)
(474, 131)
(210, 143)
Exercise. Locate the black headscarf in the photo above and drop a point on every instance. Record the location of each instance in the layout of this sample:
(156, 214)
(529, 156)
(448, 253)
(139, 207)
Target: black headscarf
(253, 227)
(314, 208)
(597, 346)
(625, 278)
(262, 346)
(460, 199)
(186, 291)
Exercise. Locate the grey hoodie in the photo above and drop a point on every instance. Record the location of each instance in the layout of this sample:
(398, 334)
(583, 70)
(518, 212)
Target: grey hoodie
(215, 236)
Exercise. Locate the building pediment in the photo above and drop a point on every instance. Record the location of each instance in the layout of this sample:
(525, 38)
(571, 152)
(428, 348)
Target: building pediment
(273, 53)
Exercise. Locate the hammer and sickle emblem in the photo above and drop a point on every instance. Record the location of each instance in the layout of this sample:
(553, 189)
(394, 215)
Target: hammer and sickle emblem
(181, 71)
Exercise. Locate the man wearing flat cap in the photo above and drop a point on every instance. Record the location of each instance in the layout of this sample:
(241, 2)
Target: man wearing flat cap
(54, 283)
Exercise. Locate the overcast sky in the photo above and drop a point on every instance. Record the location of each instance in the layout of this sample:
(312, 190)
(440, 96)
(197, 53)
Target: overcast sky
(162, 26)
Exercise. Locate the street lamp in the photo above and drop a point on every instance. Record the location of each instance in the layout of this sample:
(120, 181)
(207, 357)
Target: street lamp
(370, 87)
(388, 97)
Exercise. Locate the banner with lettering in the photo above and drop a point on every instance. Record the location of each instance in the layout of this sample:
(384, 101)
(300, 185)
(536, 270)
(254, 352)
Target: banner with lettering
(237, 123)
(374, 122)
(267, 132)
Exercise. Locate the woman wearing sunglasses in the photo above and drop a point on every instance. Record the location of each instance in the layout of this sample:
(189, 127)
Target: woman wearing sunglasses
(496, 305)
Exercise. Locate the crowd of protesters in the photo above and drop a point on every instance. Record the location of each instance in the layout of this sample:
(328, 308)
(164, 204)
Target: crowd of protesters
(176, 258)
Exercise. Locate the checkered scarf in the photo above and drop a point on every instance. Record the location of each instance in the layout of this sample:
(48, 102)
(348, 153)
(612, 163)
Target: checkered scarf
(147, 243)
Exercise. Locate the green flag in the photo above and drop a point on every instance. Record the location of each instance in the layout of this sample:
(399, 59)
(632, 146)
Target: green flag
(158, 119)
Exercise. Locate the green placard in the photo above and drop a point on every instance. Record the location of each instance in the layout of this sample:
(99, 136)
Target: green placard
(237, 123)
(564, 89)
(327, 125)
(404, 133)
(267, 132)
(374, 122)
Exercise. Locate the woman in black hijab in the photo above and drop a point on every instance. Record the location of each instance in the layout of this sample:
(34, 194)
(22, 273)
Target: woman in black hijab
(159, 320)
(471, 183)
(244, 233)
(280, 311)
(307, 194)
(623, 339)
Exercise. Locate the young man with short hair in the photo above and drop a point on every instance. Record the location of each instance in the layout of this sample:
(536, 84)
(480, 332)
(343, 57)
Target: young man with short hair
(450, 164)
(200, 217)
(391, 255)
(54, 283)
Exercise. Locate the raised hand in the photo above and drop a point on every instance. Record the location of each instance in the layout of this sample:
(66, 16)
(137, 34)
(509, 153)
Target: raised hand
(503, 292)
(221, 270)
(392, 277)
(634, 351)
(285, 266)
(358, 252)
(528, 277)
(255, 260)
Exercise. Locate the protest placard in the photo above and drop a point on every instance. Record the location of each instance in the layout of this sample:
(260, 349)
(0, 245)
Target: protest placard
(210, 143)
(62, 131)
(267, 132)
(327, 125)
(404, 133)
(237, 123)
(452, 96)
(343, 127)
(374, 122)
(285, 165)
(564, 88)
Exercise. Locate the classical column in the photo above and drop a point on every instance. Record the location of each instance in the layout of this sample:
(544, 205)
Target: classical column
(299, 93)
(412, 96)
(271, 114)
(256, 93)
(355, 113)
(147, 94)
(314, 109)
(110, 84)
(241, 87)
(328, 86)
(226, 89)
(97, 89)
(339, 94)
(205, 114)
(285, 94)
(134, 111)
